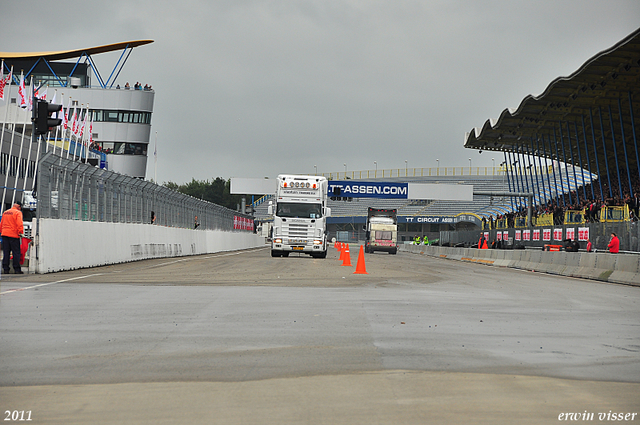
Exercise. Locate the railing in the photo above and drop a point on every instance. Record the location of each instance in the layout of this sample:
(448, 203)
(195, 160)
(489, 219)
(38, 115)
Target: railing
(416, 172)
(574, 217)
(71, 190)
(444, 171)
(501, 223)
(614, 214)
(544, 220)
(520, 222)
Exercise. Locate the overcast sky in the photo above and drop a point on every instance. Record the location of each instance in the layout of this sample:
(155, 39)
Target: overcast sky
(255, 88)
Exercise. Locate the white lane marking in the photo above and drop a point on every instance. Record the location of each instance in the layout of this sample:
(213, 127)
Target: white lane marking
(49, 283)
(118, 271)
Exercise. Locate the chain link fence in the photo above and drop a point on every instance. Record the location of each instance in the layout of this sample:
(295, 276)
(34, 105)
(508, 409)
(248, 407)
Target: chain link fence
(72, 190)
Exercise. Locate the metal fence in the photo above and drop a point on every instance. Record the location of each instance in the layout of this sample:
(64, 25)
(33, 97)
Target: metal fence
(73, 190)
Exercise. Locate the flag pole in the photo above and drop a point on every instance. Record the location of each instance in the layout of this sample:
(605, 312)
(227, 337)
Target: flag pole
(155, 161)
(32, 103)
(6, 118)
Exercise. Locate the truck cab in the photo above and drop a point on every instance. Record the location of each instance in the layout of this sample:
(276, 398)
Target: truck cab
(381, 231)
(299, 216)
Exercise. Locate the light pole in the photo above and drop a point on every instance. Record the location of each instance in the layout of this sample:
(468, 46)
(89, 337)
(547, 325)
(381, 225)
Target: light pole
(469, 166)
(494, 165)
(316, 168)
(345, 170)
(406, 168)
(437, 167)
(376, 164)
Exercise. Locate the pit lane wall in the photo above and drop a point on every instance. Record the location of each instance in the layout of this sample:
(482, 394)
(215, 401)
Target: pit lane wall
(615, 268)
(73, 244)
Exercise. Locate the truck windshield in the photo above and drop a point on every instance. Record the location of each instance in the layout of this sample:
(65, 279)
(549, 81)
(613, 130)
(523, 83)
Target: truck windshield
(295, 210)
(383, 235)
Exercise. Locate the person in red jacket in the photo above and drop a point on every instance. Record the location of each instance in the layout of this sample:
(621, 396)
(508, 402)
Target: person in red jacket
(11, 228)
(614, 245)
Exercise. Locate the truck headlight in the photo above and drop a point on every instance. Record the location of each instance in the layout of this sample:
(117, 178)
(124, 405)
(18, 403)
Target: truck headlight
(317, 242)
(277, 240)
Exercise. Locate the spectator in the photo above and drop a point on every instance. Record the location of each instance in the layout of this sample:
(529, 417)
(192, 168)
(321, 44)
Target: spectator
(11, 228)
(614, 244)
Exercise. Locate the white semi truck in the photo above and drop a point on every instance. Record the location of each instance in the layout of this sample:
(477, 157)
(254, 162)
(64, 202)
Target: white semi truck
(299, 216)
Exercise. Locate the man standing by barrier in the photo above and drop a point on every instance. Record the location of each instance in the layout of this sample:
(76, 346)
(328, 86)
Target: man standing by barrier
(614, 245)
(11, 228)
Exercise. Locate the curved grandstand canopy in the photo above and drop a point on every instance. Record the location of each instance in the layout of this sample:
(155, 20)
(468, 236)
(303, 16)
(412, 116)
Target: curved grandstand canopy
(39, 62)
(585, 119)
(71, 54)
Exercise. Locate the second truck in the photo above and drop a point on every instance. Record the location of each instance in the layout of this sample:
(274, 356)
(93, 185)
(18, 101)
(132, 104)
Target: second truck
(382, 230)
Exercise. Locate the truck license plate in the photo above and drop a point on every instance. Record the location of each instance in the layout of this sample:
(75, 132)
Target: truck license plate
(298, 248)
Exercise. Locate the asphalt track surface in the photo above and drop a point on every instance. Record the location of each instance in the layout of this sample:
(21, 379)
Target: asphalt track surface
(243, 338)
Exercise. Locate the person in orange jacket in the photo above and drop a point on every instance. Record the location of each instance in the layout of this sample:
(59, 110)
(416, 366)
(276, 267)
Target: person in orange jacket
(614, 245)
(11, 228)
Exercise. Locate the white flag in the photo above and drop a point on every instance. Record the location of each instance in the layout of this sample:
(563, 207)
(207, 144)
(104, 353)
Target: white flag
(5, 81)
(22, 92)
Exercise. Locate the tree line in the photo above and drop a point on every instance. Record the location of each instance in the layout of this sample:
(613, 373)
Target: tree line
(217, 191)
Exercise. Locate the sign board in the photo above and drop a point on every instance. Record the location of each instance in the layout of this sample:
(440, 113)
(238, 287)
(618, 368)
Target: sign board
(392, 190)
(365, 189)
(360, 189)
(247, 186)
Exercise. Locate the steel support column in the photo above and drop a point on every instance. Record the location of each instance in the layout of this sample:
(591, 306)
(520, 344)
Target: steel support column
(595, 152)
(604, 147)
(575, 129)
(564, 159)
(555, 140)
(633, 131)
(615, 153)
(624, 146)
(553, 168)
(573, 164)
(533, 166)
(586, 149)
(506, 163)
(544, 189)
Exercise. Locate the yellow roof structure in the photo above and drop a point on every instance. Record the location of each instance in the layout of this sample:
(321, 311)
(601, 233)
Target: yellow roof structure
(69, 54)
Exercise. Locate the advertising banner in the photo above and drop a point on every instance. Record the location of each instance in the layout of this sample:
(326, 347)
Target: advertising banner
(361, 189)
(526, 235)
(518, 235)
(546, 235)
(557, 234)
(571, 233)
(583, 234)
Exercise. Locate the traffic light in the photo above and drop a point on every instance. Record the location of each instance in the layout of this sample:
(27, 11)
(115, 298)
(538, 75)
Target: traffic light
(43, 116)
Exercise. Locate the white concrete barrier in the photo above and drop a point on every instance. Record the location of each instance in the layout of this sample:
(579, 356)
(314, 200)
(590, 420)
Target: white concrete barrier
(617, 268)
(69, 244)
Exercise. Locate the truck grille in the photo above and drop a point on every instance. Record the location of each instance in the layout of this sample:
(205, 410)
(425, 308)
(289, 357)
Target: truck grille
(298, 230)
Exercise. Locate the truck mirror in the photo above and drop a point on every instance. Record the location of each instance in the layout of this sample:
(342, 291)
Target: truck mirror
(270, 209)
(327, 212)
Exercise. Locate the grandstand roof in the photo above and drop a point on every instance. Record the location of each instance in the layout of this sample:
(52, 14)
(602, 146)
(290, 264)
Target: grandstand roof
(69, 54)
(606, 85)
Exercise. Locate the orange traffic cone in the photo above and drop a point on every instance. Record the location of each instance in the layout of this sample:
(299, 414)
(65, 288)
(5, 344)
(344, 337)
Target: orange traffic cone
(341, 257)
(346, 258)
(360, 267)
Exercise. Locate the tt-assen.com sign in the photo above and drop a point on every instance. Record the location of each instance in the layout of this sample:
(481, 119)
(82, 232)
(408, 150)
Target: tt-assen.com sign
(390, 190)
(368, 189)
